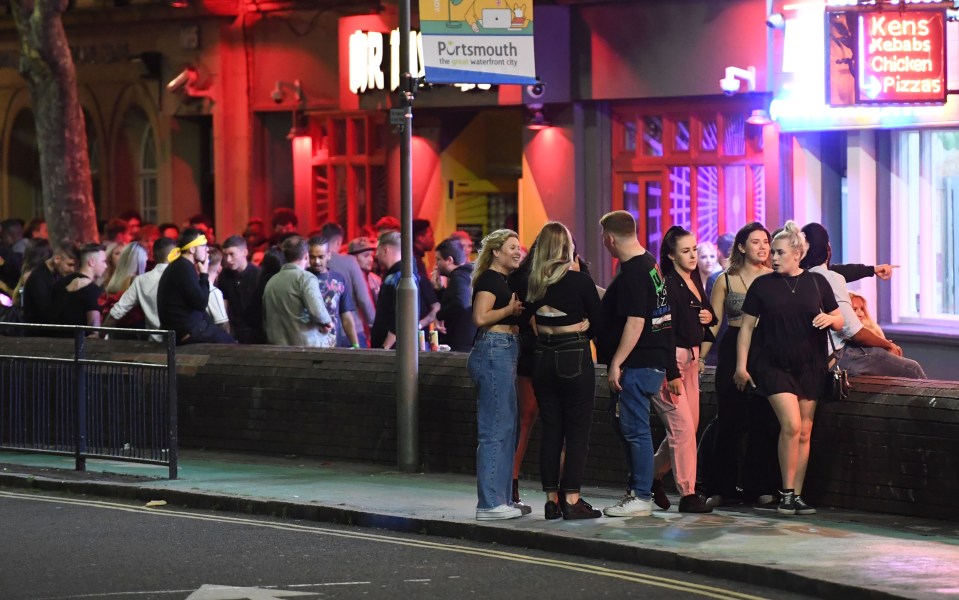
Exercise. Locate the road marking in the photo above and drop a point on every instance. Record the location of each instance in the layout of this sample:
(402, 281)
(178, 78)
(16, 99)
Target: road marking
(641, 578)
(227, 592)
(188, 591)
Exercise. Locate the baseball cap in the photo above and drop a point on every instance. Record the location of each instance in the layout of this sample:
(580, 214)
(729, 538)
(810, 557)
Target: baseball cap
(361, 244)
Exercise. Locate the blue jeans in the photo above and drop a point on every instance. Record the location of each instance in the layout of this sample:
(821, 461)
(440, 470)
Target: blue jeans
(876, 361)
(639, 387)
(492, 366)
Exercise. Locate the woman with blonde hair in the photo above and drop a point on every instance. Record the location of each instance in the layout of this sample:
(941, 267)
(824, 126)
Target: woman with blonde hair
(566, 309)
(132, 262)
(707, 264)
(789, 311)
(862, 311)
(492, 366)
(113, 252)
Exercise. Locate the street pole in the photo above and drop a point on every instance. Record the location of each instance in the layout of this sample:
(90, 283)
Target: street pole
(407, 352)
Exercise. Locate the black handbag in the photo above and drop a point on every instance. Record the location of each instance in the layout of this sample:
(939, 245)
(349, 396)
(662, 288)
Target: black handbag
(837, 385)
(12, 315)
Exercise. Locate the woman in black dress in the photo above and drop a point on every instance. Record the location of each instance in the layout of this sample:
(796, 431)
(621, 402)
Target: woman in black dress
(785, 360)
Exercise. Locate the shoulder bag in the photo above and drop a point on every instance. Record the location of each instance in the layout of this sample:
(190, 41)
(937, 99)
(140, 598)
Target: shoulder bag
(837, 385)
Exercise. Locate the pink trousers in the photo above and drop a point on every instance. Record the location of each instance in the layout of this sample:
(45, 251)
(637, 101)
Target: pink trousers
(680, 415)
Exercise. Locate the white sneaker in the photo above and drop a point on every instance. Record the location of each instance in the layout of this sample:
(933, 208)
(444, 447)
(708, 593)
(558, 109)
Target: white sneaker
(500, 512)
(630, 506)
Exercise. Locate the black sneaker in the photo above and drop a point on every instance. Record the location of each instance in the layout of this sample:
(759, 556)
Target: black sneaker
(801, 507)
(694, 503)
(766, 502)
(581, 510)
(523, 507)
(551, 511)
(787, 506)
(660, 498)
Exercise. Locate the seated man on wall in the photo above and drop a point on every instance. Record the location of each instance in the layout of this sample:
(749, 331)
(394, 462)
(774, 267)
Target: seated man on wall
(184, 292)
(859, 350)
(293, 309)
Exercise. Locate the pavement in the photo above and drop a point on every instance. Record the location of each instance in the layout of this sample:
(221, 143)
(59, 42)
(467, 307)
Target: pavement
(833, 554)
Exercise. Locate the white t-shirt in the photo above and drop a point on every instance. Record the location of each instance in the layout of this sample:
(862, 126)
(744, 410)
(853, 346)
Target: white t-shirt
(216, 307)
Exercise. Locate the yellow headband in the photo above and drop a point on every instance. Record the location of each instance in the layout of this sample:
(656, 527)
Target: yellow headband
(176, 252)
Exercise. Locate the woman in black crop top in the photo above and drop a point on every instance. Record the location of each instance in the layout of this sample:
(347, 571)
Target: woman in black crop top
(492, 366)
(566, 309)
(678, 401)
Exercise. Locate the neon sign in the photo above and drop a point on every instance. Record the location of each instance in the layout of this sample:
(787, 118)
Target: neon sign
(901, 57)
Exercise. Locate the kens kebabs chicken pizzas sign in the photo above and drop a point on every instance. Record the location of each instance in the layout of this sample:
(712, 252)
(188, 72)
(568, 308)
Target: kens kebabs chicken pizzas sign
(901, 58)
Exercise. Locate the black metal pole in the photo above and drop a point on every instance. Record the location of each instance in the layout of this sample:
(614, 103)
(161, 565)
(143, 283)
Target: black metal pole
(80, 415)
(171, 396)
(407, 355)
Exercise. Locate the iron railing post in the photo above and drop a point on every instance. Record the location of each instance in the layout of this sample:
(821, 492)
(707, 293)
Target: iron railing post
(171, 395)
(80, 414)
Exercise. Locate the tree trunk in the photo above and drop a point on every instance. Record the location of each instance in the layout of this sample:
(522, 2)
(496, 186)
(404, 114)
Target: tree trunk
(48, 67)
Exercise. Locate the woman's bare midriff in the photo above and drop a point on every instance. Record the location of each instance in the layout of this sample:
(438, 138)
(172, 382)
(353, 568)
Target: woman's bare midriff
(502, 329)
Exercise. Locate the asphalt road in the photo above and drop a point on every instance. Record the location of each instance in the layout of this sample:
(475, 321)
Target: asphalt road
(75, 547)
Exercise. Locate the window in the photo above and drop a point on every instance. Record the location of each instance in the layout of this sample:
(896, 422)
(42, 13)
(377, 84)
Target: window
(698, 166)
(148, 176)
(924, 225)
(349, 170)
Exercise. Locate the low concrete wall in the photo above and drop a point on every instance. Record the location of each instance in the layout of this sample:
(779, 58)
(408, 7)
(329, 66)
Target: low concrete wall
(892, 447)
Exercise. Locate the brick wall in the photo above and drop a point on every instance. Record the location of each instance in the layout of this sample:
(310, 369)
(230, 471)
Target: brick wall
(893, 447)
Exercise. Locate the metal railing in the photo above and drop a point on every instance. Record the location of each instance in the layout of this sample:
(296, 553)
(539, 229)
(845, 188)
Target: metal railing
(88, 408)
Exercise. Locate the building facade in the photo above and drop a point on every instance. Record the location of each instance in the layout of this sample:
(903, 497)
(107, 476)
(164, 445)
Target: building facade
(286, 104)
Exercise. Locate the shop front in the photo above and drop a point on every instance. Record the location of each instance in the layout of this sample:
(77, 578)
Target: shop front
(866, 106)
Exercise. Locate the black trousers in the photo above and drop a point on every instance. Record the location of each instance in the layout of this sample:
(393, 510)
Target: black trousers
(564, 382)
(747, 428)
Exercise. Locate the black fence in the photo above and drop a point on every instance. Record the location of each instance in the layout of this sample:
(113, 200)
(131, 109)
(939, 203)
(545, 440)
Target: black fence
(86, 408)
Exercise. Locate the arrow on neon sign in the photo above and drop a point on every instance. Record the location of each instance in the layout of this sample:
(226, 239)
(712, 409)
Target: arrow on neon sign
(872, 88)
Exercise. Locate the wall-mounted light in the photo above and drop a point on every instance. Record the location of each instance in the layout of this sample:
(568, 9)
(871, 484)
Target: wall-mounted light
(776, 21)
(187, 83)
(759, 117)
(730, 84)
(535, 118)
(280, 90)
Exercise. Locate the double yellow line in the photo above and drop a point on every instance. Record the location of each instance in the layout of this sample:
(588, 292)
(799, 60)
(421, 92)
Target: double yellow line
(640, 578)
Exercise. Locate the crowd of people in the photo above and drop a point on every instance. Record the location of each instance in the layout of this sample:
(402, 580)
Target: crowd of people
(778, 297)
(770, 307)
(264, 286)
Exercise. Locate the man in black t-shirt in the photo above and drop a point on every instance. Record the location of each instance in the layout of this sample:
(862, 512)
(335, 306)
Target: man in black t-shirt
(38, 305)
(239, 284)
(637, 346)
(77, 296)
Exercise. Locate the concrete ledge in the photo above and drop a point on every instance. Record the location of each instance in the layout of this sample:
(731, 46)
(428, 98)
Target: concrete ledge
(893, 447)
